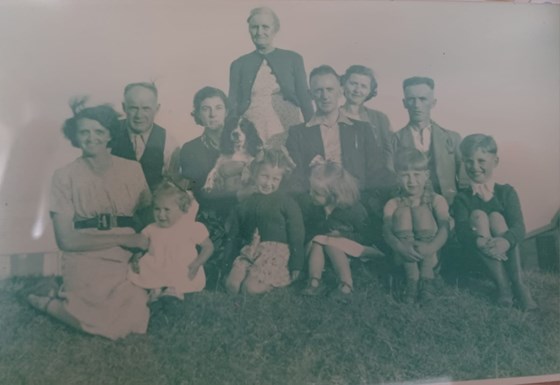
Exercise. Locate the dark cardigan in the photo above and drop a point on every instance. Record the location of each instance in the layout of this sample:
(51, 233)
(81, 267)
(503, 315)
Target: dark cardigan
(287, 67)
(505, 201)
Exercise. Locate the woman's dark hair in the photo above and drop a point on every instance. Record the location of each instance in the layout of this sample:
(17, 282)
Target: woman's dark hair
(206, 93)
(252, 140)
(361, 70)
(104, 114)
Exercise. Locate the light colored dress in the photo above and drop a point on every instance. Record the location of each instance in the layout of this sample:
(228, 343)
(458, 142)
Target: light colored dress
(95, 287)
(268, 111)
(172, 250)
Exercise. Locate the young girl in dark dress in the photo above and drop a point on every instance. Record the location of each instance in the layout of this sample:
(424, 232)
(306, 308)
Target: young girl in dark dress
(269, 225)
(337, 227)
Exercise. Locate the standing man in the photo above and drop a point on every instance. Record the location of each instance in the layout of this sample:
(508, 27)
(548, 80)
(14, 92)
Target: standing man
(441, 146)
(140, 138)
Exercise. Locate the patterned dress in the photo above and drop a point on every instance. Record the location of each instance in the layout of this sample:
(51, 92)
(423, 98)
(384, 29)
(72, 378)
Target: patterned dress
(95, 290)
(268, 111)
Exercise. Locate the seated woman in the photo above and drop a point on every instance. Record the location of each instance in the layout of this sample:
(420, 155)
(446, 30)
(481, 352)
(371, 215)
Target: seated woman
(92, 203)
(196, 160)
(269, 86)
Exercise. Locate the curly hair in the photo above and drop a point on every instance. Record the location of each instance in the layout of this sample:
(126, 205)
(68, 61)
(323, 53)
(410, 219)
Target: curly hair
(253, 141)
(332, 180)
(275, 156)
(361, 70)
(104, 114)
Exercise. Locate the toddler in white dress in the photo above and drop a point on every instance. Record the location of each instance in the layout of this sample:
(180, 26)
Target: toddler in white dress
(172, 264)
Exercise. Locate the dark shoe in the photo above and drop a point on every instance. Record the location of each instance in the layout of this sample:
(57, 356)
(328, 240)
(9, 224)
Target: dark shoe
(411, 291)
(427, 290)
(311, 290)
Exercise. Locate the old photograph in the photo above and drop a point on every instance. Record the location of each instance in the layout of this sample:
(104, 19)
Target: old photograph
(280, 192)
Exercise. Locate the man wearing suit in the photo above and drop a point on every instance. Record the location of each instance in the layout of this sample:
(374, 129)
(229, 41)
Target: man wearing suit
(439, 144)
(140, 138)
(330, 135)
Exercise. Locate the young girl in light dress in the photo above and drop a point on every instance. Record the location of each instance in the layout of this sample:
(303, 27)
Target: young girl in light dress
(172, 266)
(416, 224)
(337, 227)
(268, 228)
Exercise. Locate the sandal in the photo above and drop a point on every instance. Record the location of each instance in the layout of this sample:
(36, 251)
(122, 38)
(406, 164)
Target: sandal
(311, 290)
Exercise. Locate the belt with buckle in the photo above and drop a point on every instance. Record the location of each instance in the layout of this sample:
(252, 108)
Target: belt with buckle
(104, 222)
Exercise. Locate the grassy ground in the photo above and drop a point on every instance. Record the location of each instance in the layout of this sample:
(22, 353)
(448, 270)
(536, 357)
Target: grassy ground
(282, 338)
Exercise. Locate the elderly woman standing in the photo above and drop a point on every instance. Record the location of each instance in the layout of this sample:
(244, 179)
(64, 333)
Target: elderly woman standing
(359, 86)
(92, 203)
(269, 86)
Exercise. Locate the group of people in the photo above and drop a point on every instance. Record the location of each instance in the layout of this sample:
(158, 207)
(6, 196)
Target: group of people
(271, 191)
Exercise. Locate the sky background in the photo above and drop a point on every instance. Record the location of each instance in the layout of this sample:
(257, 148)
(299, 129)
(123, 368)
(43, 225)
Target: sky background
(496, 68)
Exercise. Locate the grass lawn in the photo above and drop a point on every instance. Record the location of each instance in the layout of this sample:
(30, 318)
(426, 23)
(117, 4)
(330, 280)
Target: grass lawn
(283, 338)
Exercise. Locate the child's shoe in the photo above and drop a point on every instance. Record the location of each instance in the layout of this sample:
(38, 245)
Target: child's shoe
(427, 290)
(343, 293)
(314, 288)
(411, 291)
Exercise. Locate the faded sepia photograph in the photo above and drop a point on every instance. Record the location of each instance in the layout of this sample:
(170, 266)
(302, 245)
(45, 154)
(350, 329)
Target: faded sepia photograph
(281, 192)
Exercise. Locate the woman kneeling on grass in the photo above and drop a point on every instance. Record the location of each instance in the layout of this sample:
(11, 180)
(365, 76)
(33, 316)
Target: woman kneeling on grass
(92, 202)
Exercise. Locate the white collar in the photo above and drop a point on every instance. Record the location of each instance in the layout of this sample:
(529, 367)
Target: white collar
(484, 190)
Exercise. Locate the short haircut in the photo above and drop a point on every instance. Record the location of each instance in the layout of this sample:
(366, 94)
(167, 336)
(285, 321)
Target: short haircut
(411, 159)
(361, 70)
(473, 142)
(174, 187)
(149, 86)
(323, 70)
(417, 80)
(265, 11)
(104, 114)
(252, 140)
(206, 93)
(337, 183)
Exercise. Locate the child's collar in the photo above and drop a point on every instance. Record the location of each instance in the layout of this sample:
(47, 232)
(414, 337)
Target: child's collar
(484, 190)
